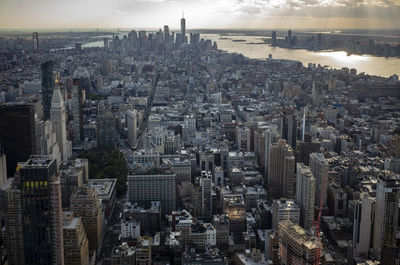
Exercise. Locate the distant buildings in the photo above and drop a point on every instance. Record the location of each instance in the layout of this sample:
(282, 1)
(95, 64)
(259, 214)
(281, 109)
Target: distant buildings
(47, 79)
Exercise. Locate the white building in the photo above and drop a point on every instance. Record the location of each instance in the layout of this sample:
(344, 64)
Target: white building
(364, 211)
(58, 119)
(243, 137)
(319, 168)
(130, 229)
(284, 210)
(46, 142)
(305, 195)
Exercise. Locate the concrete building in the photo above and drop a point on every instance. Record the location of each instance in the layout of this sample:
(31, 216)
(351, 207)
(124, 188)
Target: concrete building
(153, 184)
(123, 255)
(288, 126)
(130, 229)
(221, 225)
(107, 194)
(243, 137)
(3, 167)
(74, 174)
(364, 214)
(206, 194)
(319, 168)
(105, 124)
(143, 251)
(281, 178)
(58, 119)
(284, 210)
(146, 158)
(85, 203)
(296, 245)
(305, 195)
(131, 124)
(76, 245)
(235, 209)
(46, 141)
(149, 218)
(47, 79)
(386, 213)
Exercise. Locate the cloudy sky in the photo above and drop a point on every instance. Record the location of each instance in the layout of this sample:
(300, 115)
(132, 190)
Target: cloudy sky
(257, 14)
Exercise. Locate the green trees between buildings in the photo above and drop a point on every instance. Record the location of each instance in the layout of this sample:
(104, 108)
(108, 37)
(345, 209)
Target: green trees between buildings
(106, 163)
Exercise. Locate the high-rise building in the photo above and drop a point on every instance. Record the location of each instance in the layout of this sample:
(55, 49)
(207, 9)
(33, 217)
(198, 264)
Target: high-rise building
(41, 211)
(35, 41)
(305, 148)
(85, 203)
(47, 87)
(206, 193)
(271, 137)
(58, 119)
(319, 168)
(273, 38)
(46, 140)
(305, 195)
(76, 246)
(243, 137)
(17, 133)
(296, 245)
(364, 213)
(166, 34)
(105, 123)
(77, 101)
(284, 210)
(288, 126)
(281, 178)
(235, 209)
(3, 167)
(183, 29)
(131, 124)
(386, 213)
(289, 38)
(153, 184)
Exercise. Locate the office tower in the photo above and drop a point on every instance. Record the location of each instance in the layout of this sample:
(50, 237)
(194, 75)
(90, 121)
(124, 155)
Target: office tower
(284, 210)
(76, 246)
(296, 245)
(46, 140)
(281, 178)
(143, 251)
(47, 87)
(131, 124)
(243, 137)
(105, 123)
(316, 93)
(105, 40)
(74, 174)
(273, 38)
(3, 167)
(305, 148)
(319, 168)
(364, 213)
(289, 38)
(271, 137)
(288, 126)
(58, 119)
(77, 101)
(183, 30)
(85, 203)
(153, 184)
(386, 213)
(305, 195)
(194, 39)
(41, 211)
(166, 34)
(15, 229)
(235, 209)
(35, 41)
(107, 67)
(17, 133)
(206, 193)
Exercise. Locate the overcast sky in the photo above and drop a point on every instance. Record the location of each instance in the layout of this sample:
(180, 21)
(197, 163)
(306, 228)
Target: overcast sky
(257, 14)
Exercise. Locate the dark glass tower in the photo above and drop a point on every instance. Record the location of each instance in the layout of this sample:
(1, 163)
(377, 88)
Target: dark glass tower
(47, 87)
(17, 133)
(42, 213)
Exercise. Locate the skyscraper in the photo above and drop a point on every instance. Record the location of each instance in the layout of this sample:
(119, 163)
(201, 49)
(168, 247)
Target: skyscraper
(105, 123)
(364, 212)
(47, 87)
(386, 213)
(35, 41)
(206, 193)
(131, 124)
(3, 167)
(288, 126)
(305, 195)
(273, 38)
(183, 29)
(77, 101)
(17, 133)
(85, 203)
(40, 194)
(59, 121)
(319, 168)
(281, 179)
(166, 34)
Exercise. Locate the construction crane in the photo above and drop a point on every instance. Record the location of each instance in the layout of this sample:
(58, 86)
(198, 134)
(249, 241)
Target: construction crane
(318, 221)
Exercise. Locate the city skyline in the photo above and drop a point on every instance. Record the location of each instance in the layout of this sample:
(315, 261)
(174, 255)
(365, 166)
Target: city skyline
(243, 14)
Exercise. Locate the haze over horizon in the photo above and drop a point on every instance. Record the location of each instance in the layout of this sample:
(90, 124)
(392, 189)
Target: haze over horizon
(216, 14)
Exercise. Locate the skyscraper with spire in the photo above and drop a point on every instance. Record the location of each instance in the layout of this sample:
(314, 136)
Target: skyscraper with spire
(183, 28)
(58, 119)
